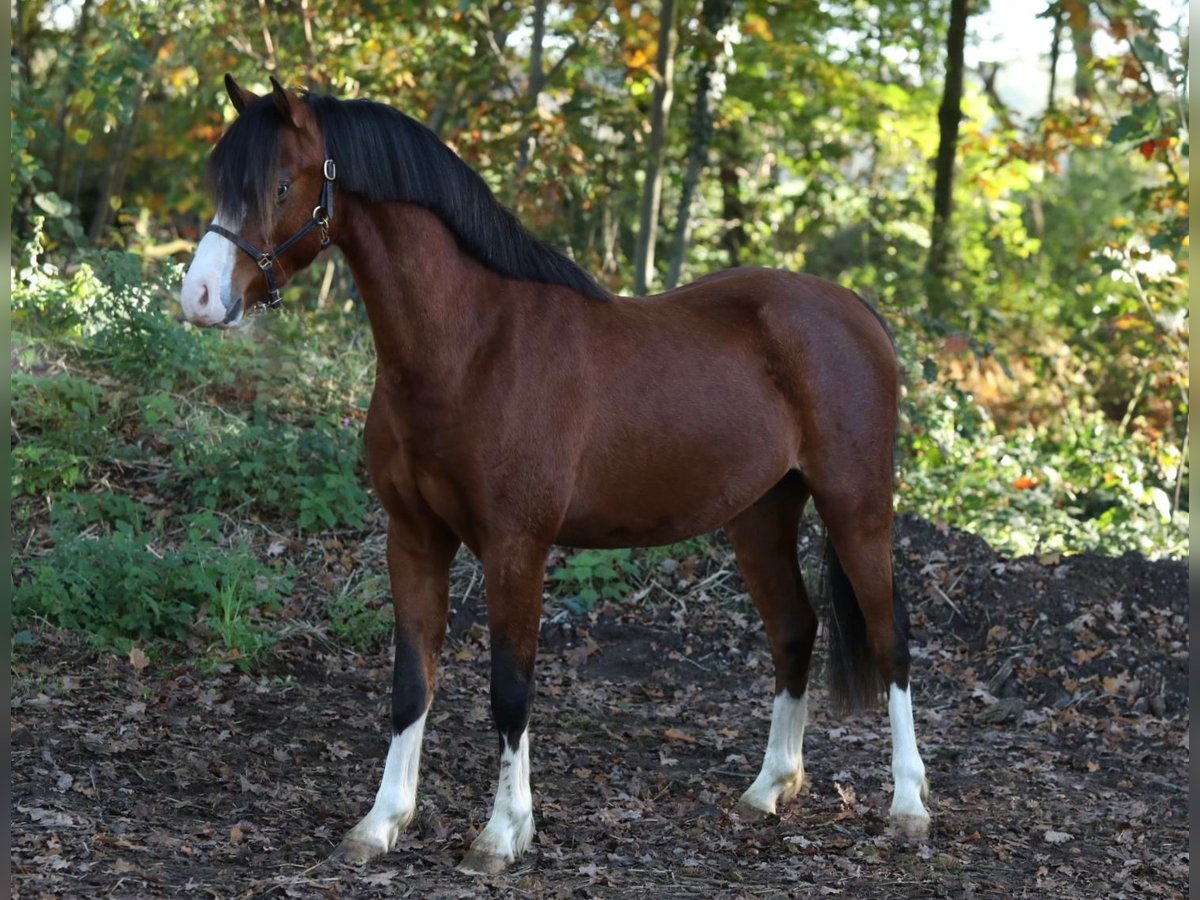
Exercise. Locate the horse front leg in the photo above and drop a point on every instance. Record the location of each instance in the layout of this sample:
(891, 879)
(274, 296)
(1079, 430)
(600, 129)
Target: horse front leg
(419, 565)
(514, 574)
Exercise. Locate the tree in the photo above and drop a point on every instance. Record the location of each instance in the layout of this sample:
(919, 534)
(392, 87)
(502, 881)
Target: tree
(660, 110)
(949, 116)
(712, 17)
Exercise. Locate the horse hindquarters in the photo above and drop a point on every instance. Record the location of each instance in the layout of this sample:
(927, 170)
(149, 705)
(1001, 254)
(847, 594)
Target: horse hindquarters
(846, 382)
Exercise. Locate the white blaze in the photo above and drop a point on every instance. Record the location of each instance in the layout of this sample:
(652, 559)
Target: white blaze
(396, 800)
(782, 771)
(207, 291)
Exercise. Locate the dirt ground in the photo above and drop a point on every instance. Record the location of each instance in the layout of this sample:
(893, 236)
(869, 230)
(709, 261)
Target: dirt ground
(1051, 710)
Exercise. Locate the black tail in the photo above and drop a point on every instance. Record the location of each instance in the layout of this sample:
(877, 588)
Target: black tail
(855, 682)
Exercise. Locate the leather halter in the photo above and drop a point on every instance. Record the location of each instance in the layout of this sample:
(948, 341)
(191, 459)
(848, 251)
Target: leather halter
(322, 215)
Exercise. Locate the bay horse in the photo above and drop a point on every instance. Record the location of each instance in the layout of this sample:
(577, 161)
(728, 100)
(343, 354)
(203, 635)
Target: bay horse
(517, 404)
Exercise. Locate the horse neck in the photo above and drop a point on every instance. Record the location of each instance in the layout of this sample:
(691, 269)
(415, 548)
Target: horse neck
(422, 292)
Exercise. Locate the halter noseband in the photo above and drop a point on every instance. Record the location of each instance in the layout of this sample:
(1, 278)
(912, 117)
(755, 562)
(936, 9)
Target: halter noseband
(322, 215)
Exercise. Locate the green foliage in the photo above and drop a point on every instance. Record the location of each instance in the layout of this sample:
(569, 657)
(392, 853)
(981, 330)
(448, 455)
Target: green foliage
(120, 313)
(361, 615)
(276, 469)
(238, 622)
(588, 576)
(62, 431)
(126, 584)
(1033, 489)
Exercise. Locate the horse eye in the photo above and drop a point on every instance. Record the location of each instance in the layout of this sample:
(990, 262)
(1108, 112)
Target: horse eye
(282, 191)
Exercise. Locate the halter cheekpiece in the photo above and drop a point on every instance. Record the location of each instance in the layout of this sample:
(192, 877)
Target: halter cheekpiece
(322, 215)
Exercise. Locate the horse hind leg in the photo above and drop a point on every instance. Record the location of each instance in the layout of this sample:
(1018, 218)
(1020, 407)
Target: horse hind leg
(764, 541)
(869, 636)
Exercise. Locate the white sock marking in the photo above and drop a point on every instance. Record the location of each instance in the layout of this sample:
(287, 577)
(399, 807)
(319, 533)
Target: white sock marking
(509, 831)
(208, 284)
(782, 771)
(396, 800)
(907, 769)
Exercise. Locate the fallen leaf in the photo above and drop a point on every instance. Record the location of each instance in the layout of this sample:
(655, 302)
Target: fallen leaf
(138, 659)
(675, 734)
(1057, 837)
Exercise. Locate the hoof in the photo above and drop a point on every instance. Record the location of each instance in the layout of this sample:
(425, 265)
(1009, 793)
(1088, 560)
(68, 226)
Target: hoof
(480, 862)
(914, 827)
(356, 852)
(750, 813)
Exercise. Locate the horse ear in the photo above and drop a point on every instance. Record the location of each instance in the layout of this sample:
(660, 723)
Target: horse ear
(283, 102)
(239, 95)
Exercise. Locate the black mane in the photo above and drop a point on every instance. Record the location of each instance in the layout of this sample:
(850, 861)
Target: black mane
(385, 156)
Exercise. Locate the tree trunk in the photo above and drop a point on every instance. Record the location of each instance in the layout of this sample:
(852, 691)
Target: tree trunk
(1080, 21)
(713, 17)
(73, 81)
(115, 174)
(697, 154)
(537, 75)
(660, 110)
(949, 115)
(1055, 43)
(311, 59)
(733, 211)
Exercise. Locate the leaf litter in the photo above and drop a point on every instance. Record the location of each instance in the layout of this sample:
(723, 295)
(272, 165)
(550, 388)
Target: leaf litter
(1051, 710)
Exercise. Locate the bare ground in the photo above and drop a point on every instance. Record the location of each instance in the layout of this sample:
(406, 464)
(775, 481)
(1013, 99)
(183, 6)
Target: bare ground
(1051, 705)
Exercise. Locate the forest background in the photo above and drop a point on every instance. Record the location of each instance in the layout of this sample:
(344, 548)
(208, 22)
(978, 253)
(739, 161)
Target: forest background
(1030, 255)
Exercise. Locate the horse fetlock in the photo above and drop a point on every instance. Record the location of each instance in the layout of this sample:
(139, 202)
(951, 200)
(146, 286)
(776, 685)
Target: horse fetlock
(374, 836)
(769, 790)
(504, 840)
(908, 811)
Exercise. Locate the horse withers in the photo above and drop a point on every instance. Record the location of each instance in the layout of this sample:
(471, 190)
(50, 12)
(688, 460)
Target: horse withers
(517, 404)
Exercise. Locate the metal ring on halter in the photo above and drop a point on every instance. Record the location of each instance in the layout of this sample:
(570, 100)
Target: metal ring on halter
(265, 262)
(321, 217)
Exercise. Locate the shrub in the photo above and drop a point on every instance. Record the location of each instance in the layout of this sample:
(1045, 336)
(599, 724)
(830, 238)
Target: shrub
(308, 475)
(589, 575)
(62, 431)
(130, 585)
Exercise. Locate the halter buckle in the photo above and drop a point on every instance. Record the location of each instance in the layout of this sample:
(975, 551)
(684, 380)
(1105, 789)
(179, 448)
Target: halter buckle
(330, 170)
(274, 300)
(266, 262)
(321, 217)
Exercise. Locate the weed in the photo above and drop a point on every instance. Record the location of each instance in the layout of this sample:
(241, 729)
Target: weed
(235, 620)
(308, 475)
(129, 585)
(361, 615)
(591, 575)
